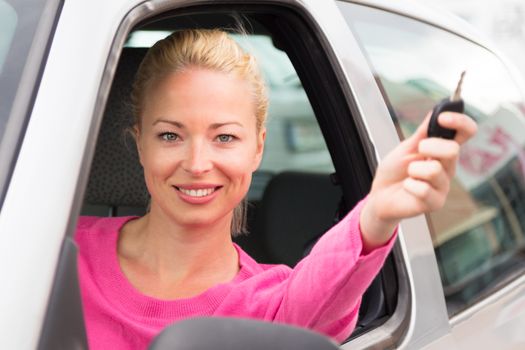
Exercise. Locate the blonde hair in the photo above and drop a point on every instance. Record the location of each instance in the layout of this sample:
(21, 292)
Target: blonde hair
(206, 48)
(212, 49)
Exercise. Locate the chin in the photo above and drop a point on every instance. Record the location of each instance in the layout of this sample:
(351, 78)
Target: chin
(196, 216)
(198, 223)
(199, 218)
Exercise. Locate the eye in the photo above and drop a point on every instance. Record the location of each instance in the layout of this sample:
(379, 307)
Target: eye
(169, 136)
(225, 138)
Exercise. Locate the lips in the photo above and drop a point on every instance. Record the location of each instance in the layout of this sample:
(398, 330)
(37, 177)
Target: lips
(197, 193)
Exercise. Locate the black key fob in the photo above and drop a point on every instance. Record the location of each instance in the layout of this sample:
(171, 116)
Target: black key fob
(446, 105)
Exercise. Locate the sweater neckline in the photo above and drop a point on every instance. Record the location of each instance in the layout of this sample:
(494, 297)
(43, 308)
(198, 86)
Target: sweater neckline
(128, 299)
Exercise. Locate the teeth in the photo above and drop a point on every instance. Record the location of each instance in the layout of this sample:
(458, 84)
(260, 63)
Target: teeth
(197, 193)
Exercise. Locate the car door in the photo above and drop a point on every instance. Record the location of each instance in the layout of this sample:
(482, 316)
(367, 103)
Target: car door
(46, 192)
(478, 235)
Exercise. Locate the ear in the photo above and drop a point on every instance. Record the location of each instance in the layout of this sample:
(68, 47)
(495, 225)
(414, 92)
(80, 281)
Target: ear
(261, 137)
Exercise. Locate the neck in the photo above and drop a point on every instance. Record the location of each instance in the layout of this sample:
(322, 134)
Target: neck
(157, 252)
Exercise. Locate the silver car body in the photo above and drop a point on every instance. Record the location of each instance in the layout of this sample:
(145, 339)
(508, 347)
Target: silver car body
(42, 199)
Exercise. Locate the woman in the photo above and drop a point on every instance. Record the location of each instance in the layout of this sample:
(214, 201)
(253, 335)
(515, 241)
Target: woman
(200, 108)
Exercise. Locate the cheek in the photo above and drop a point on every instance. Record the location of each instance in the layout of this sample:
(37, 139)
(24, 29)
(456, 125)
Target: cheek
(240, 168)
(158, 163)
(238, 164)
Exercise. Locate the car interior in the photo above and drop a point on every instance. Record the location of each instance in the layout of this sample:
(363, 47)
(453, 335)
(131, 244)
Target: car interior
(289, 208)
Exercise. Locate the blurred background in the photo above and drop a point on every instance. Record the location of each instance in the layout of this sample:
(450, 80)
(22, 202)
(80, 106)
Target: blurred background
(501, 21)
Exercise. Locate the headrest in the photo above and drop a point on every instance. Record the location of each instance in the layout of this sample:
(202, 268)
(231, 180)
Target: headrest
(116, 177)
(296, 208)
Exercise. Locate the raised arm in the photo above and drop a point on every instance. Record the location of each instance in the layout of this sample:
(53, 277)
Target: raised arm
(325, 289)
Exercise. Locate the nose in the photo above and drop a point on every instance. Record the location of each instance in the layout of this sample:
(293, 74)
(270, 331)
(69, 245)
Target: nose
(197, 160)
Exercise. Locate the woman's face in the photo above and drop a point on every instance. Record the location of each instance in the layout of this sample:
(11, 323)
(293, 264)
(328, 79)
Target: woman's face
(199, 145)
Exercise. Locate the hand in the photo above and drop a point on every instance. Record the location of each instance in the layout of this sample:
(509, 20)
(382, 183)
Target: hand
(414, 178)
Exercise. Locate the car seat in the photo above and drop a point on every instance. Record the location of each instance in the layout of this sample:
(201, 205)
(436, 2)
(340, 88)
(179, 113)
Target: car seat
(116, 183)
(296, 209)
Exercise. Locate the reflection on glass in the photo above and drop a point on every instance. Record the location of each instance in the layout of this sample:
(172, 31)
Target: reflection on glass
(479, 233)
(8, 21)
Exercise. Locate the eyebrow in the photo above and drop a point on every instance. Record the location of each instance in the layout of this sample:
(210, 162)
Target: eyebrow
(172, 122)
(181, 126)
(218, 125)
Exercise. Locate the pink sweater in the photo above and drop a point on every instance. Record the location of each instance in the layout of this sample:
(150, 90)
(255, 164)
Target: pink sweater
(322, 292)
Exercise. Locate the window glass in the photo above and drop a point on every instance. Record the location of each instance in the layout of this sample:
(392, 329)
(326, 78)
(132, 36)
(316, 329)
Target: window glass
(8, 20)
(8, 24)
(479, 235)
(18, 22)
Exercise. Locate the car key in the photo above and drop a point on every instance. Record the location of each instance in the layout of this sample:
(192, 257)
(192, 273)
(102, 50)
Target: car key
(452, 104)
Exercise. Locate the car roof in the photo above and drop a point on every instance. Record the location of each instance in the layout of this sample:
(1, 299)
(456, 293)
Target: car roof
(408, 8)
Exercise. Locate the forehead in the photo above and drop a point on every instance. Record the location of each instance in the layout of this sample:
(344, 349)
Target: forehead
(200, 81)
(199, 93)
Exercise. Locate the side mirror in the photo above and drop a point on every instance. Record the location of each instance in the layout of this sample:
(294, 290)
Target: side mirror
(219, 333)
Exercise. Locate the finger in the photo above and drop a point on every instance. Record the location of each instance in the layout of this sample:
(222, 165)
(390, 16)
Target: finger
(446, 151)
(428, 198)
(465, 126)
(430, 171)
(439, 148)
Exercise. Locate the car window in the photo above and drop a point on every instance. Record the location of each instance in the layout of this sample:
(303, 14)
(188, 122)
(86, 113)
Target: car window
(8, 25)
(293, 198)
(479, 235)
(8, 21)
(20, 57)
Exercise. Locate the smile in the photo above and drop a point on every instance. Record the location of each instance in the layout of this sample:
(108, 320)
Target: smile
(197, 194)
(202, 192)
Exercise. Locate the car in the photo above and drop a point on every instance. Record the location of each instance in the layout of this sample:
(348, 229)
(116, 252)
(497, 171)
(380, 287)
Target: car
(347, 81)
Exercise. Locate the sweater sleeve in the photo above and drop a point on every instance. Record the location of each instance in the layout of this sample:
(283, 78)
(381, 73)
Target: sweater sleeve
(324, 290)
